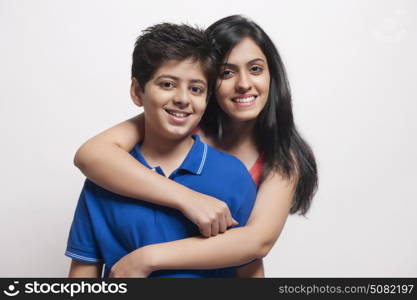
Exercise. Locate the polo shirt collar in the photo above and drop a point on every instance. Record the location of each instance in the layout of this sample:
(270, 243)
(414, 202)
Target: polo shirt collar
(196, 158)
(194, 161)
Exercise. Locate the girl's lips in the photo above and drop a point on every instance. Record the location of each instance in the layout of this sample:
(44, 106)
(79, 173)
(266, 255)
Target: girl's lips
(244, 101)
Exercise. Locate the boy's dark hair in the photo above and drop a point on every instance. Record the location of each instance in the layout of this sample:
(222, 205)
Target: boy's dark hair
(166, 41)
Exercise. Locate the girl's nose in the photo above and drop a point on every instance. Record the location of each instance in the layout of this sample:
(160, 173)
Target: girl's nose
(243, 82)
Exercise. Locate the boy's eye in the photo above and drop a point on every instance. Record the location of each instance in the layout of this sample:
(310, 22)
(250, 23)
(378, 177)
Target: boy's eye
(166, 84)
(197, 90)
(256, 69)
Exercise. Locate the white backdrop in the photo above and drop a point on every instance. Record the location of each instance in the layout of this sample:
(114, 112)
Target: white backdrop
(64, 76)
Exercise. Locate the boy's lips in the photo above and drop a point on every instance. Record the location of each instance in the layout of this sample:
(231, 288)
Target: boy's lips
(177, 113)
(177, 117)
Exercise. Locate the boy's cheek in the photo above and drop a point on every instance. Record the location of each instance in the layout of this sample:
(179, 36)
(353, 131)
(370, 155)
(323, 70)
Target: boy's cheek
(201, 111)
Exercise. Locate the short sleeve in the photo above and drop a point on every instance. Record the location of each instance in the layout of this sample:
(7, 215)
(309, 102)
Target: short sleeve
(82, 244)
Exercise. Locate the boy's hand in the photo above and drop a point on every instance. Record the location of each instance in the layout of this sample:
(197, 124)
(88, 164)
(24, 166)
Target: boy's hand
(133, 265)
(208, 213)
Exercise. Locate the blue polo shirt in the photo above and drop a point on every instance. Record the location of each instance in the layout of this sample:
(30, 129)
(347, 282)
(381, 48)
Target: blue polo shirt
(107, 226)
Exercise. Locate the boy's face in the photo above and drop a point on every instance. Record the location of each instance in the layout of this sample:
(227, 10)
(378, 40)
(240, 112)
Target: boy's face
(174, 98)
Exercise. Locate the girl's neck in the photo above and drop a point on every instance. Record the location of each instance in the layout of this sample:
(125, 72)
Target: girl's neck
(238, 140)
(237, 135)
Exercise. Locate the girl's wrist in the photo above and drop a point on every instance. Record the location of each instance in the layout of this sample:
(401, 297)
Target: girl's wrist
(179, 200)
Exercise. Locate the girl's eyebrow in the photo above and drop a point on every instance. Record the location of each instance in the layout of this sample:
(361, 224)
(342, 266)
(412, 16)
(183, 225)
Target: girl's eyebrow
(248, 63)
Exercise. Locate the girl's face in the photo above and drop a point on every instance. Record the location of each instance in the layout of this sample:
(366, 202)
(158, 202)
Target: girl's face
(243, 85)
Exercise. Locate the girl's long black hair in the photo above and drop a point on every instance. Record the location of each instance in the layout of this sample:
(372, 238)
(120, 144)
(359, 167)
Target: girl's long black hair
(276, 136)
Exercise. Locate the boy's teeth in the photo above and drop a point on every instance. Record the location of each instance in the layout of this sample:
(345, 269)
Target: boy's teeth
(244, 100)
(177, 114)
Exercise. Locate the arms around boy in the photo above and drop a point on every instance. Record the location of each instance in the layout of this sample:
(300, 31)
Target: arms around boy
(172, 73)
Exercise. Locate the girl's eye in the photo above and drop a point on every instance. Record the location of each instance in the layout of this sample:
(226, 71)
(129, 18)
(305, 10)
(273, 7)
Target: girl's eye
(256, 69)
(166, 84)
(226, 73)
(197, 90)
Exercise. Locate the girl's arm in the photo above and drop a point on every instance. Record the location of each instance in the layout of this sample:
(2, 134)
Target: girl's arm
(252, 270)
(105, 160)
(234, 247)
(85, 270)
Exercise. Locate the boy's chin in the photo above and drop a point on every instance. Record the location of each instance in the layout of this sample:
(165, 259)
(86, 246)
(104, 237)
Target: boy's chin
(178, 133)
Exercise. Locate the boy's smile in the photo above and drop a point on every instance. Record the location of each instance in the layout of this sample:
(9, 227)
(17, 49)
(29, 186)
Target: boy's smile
(174, 99)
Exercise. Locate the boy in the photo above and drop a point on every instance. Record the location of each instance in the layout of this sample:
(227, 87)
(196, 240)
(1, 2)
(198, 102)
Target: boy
(171, 75)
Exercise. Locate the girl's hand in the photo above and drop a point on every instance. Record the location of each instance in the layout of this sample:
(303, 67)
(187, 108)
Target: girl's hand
(209, 214)
(136, 264)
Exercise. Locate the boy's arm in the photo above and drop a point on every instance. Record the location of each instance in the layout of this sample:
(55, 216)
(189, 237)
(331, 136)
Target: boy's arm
(105, 160)
(80, 269)
(82, 245)
(254, 269)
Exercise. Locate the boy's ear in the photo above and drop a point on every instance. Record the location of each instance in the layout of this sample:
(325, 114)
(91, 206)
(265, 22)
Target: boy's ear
(136, 92)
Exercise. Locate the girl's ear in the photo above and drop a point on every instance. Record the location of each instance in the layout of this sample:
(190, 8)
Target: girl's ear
(135, 92)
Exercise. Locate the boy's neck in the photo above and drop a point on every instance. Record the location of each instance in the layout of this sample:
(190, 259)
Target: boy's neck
(164, 152)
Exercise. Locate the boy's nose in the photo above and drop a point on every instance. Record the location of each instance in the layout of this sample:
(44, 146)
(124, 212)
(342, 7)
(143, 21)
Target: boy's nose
(182, 99)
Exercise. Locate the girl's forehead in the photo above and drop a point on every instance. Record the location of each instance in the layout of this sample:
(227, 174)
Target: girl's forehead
(244, 51)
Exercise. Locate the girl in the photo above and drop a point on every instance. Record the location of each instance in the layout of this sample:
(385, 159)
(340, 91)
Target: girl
(250, 116)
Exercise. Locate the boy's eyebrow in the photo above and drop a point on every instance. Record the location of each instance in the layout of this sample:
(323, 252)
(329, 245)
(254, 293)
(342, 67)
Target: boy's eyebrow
(178, 79)
(248, 63)
(198, 81)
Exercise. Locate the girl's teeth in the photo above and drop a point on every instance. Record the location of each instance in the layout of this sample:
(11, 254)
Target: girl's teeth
(244, 100)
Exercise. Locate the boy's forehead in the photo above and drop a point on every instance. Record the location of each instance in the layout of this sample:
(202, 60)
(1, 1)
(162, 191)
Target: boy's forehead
(187, 69)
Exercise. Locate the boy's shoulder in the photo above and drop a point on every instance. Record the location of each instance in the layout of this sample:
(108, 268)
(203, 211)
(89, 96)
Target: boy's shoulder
(224, 157)
(227, 165)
